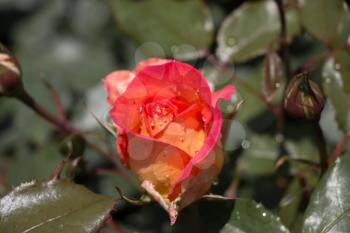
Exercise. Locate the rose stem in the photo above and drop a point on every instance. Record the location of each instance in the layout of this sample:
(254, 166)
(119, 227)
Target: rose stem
(61, 124)
(286, 61)
(283, 39)
(311, 62)
(55, 175)
(65, 127)
(55, 97)
(321, 147)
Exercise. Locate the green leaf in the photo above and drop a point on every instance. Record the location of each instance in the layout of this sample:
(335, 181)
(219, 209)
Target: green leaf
(303, 149)
(108, 183)
(56, 206)
(216, 77)
(68, 53)
(252, 29)
(259, 156)
(248, 85)
(298, 147)
(33, 166)
(290, 203)
(344, 32)
(333, 86)
(250, 217)
(204, 216)
(323, 18)
(329, 207)
(172, 24)
(342, 65)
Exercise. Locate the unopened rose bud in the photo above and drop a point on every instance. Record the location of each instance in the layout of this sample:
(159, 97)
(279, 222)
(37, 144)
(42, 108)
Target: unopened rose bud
(303, 99)
(10, 73)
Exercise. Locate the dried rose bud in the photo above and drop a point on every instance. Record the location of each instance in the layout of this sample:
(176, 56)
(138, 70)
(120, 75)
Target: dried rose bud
(10, 73)
(303, 99)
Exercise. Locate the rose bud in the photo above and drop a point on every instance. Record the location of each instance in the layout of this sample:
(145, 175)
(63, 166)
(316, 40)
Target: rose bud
(168, 124)
(10, 73)
(303, 99)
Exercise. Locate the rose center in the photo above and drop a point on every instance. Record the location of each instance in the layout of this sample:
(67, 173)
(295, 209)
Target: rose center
(158, 110)
(157, 115)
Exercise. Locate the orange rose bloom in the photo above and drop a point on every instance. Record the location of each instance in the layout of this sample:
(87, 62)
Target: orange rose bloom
(168, 127)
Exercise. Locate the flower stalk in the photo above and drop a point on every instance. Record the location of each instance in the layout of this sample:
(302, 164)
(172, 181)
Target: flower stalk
(283, 39)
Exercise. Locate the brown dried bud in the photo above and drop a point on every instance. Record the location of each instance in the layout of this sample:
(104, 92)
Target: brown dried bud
(303, 98)
(10, 73)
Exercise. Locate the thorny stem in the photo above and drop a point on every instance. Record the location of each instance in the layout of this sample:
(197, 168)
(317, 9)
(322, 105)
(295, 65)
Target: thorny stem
(281, 161)
(283, 39)
(66, 128)
(311, 62)
(59, 168)
(62, 125)
(231, 191)
(55, 98)
(305, 66)
(316, 59)
(321, 147)
(286, 60)
(305, 186)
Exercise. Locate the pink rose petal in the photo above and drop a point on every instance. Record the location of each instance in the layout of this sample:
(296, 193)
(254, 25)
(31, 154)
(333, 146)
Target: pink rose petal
(116, 84)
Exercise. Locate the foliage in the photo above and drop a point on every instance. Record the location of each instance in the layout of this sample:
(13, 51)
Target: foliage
(280, 174)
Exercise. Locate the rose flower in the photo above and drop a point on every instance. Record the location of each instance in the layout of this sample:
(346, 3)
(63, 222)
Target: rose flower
(168, 123)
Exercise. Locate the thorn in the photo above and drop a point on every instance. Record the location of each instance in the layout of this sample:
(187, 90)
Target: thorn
(55, 97)
(55, 175)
